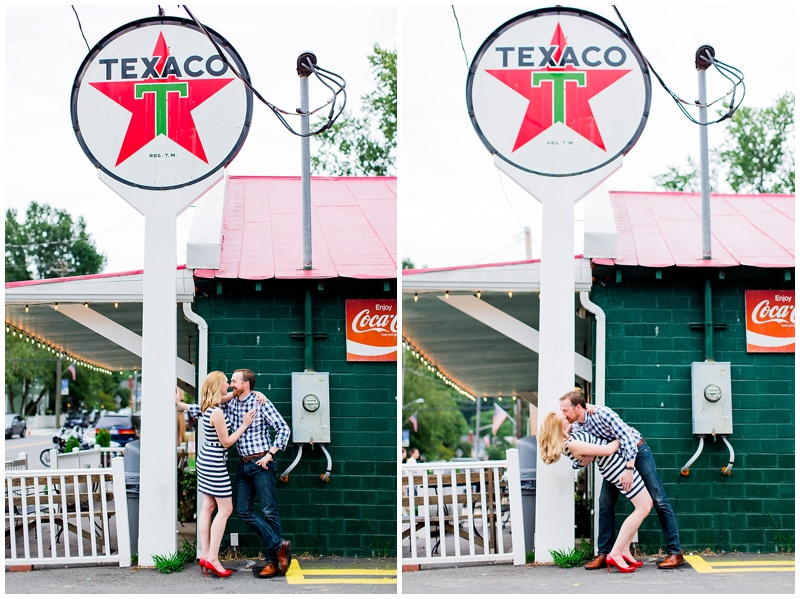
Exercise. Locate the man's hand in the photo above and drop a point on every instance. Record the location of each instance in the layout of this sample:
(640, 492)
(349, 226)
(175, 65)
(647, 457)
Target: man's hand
(264, 462)
(627, 480)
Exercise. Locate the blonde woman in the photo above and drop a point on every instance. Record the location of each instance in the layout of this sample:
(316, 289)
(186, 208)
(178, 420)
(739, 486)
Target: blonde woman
(556, 439)
(213, 480)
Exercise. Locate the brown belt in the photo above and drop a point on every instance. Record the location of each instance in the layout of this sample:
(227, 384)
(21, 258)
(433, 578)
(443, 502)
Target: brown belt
(255, 456)
(640, 443)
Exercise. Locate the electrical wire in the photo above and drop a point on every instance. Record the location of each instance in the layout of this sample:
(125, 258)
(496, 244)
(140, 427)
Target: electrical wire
(732, 74)
(337, 87)
(80, 27)
(460, 39)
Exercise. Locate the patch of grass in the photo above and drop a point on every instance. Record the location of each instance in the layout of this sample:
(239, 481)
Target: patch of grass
(169, 563)
(574, 557)
(175, 561)
(530, 556)
(571, 558)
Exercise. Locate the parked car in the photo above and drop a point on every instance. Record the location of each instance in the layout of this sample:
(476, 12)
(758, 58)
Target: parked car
(123, 428)
(77, 418)
(15, 425)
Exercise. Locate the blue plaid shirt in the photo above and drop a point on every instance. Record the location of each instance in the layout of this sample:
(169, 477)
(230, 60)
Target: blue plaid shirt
(256, 437)
(606, 424)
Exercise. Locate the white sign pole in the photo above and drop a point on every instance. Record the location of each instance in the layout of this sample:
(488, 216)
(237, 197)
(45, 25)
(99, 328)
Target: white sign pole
(555, 488)
(158, 457)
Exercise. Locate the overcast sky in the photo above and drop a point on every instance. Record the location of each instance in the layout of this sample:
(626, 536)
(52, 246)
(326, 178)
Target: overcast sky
(456, 208)
(44, 50)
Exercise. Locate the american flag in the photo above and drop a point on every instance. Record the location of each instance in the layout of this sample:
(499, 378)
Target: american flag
(73, 370)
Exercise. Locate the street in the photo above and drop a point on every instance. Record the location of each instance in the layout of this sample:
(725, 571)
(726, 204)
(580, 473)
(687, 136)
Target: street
(737, 573)
(33, 445)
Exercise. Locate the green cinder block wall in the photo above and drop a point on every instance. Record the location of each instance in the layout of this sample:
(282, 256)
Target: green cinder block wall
(354, 514)
(650, 349)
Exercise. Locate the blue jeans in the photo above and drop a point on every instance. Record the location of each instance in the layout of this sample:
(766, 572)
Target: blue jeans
(253, 483)
(646, 466)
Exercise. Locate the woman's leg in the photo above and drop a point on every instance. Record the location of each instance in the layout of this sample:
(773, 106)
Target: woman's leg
(204, 524)
(224, 509)
(642, 504)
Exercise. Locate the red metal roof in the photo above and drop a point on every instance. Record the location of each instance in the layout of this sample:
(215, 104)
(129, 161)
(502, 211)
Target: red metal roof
(665, 229)
(354, 229)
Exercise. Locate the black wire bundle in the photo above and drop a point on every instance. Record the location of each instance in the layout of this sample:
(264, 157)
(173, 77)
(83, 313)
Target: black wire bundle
(337, 85)
(732, 74)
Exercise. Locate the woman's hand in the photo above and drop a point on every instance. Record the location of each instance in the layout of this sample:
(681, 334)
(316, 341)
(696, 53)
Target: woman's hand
(249, 417)
(260, 397)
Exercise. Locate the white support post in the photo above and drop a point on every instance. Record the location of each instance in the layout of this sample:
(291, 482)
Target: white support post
(555, 488)
(158, 509)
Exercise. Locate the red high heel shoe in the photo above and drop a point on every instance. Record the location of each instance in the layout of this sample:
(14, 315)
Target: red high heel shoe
(219, 573)
(203, 567)
(633, 562)
(624, 569)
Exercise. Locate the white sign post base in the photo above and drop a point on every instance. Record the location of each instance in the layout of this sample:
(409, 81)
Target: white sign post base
(555, 489)
(158, 515)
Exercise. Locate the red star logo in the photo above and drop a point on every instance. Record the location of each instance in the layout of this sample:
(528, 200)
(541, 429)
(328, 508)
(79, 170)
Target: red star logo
(161, 106)
(558, 95)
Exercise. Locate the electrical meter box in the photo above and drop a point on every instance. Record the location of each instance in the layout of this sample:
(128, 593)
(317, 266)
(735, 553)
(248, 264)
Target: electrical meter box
(311, 407)
(712, 406)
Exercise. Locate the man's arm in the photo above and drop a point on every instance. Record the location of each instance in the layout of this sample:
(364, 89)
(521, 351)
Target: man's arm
(622, 432)
(268, 412)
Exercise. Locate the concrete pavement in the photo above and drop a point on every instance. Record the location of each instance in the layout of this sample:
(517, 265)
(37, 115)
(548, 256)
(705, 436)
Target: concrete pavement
(312, 575)
(739, 573)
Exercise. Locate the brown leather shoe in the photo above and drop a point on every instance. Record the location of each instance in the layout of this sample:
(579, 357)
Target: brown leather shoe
(284, 557)
(268, 571)
(673, 561)
(596, 563)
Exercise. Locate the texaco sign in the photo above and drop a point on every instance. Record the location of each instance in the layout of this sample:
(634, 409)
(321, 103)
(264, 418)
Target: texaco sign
(558, 92)
(156, 106)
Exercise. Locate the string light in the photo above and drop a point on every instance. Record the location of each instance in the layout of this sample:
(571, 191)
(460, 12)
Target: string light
(53, 350)
(446, 295)
(26, 308)
(416, 297)
(432, 368)
(116, 304)
(56, 307)
(478, 294)
(509, 294)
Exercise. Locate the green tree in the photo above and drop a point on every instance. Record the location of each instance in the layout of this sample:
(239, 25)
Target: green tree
(29, 369)
(366, 144)
(48, 244)
(440, 421)
(757, 155)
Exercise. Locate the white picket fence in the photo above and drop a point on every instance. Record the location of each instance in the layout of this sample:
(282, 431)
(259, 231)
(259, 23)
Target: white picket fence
(461, 512)
(67, 515)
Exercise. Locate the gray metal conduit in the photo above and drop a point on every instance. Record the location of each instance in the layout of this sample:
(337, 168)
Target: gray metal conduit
(285, 475)
(598, 386)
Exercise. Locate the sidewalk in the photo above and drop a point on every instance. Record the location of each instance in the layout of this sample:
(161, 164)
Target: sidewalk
(756, 574)
(312, 575)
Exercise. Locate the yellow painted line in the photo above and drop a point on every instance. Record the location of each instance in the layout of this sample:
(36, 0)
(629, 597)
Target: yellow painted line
(703, 567)
(296, 575)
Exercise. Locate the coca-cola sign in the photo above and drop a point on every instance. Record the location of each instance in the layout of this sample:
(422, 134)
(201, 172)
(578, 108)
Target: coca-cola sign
(371, 330)
(770, 321)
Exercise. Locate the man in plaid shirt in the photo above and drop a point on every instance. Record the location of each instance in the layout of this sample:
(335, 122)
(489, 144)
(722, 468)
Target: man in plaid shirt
(257, 473)
(605, 423)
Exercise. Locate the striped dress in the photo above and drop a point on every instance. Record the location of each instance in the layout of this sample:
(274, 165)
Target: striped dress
(212, 475)
(611, 466)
